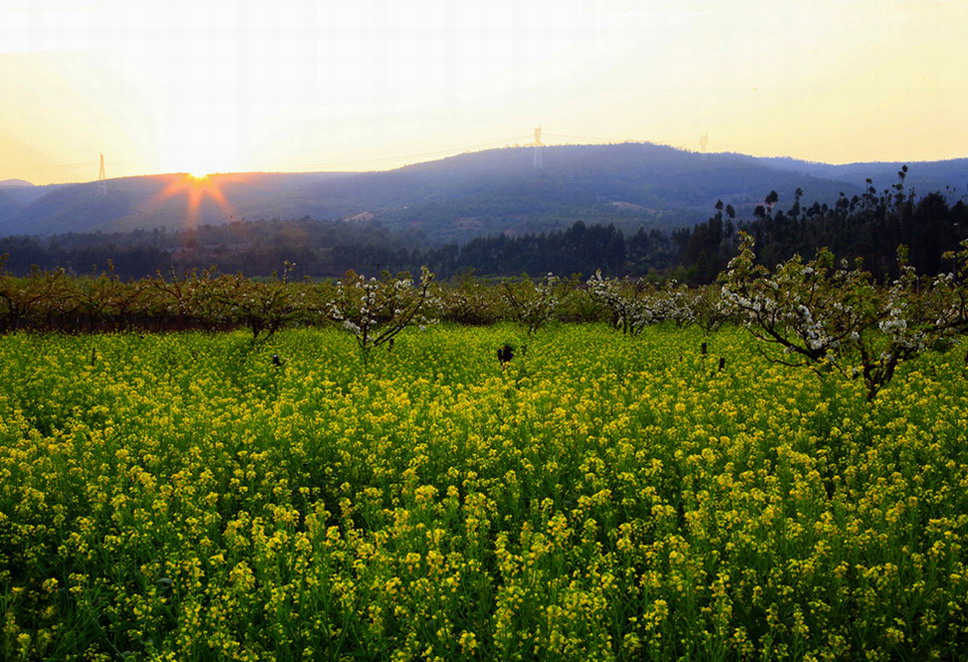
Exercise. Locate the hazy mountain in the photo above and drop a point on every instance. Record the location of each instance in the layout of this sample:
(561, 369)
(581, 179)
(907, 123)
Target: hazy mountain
(168, 201)
(14, 183)
(23, 192)
(949, 177)
(470, 195)
(8, 207)
(10, 204)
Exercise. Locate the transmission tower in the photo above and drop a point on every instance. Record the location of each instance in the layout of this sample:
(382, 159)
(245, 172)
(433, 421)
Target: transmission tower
(537, 144)
(102, 181)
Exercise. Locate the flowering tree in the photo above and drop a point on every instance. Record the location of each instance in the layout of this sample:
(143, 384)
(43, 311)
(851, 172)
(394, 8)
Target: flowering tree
(707, 309)
(673, 301)
(470, 301)
(837, 317)
(636, 304)
(105, 302)
(189, 300)
(263, 306)
(947, 299)
(24, 301)
(625, 301)
(532, 303)
(376, 310)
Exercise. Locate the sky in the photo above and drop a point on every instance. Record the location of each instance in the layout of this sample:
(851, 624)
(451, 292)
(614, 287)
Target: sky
(206, 86)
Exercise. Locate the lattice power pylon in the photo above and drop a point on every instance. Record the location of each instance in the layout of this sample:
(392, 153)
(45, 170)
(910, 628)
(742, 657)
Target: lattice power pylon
(537, 144)
(102, 180)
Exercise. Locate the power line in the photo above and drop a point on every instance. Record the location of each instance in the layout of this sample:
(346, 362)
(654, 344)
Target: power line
(565, 135)
(521, 140)
(385, 159)
(61, 166)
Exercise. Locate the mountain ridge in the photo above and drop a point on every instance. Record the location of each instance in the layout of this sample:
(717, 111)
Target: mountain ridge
(459, 197)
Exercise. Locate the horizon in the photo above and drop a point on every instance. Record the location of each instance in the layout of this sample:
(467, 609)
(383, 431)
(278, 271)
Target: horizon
(295, 86)
(203, 176)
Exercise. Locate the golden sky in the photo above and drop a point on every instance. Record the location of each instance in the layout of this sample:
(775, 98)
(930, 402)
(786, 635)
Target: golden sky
(294, 85)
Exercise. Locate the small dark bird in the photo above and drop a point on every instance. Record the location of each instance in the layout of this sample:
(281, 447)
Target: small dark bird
(505, 354)
(722, 363)
(276, 361)
(166, 585)
(702, 348)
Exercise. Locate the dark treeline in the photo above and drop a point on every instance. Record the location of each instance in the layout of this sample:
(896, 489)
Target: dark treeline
(868, 226)
(579, 249)
(254, 248)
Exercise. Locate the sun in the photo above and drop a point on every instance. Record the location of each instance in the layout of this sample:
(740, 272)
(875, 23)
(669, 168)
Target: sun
(200, 140)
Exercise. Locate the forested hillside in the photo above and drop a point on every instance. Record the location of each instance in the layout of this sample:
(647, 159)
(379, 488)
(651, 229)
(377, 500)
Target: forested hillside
(869, 225)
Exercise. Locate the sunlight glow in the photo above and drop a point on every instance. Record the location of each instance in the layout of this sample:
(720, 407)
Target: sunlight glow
(223, 86)
(194, 190)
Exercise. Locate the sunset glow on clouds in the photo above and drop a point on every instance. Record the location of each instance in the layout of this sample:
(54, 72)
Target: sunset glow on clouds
(205, 86)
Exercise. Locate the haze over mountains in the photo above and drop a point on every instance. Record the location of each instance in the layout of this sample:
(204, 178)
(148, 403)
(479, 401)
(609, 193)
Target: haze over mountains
(455, 199)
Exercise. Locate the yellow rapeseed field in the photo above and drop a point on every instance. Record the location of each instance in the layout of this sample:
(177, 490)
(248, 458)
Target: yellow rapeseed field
(181, 497)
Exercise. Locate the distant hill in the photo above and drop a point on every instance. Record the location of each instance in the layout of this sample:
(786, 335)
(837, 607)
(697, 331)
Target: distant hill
(23, 192)
(14, 183)
(497, 191)
(626, 184)
(8, 207)
(166, 201)
(923, 176)
(9, 204)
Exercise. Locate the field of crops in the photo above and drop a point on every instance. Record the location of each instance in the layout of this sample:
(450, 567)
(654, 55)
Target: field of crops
(182, 497)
